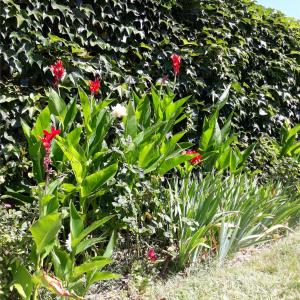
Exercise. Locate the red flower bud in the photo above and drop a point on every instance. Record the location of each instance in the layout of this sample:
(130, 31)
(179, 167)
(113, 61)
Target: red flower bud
(58, 71)
(94, 86)
(176, 61)
(195, 160)
(151, 255)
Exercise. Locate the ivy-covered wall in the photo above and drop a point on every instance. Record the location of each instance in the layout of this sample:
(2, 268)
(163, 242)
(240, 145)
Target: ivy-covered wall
(129, 42)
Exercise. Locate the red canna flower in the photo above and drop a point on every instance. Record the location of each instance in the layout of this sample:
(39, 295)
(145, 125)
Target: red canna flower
(195, 160)
(151, 255)
(46, 140)
(48, 137)
(58, 71)
(176, 61)
(94, 86)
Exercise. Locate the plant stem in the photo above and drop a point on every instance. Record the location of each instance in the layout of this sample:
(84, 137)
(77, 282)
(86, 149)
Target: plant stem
(35, 292)
(160, 90)
(175, 77)
(46, 183)
(36, 287)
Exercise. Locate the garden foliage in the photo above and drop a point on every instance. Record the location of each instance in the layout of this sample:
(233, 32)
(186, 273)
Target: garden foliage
(15, 241)
(88, 152)
(137, 163)
(105, 157)
(225, 214)
(128, 42)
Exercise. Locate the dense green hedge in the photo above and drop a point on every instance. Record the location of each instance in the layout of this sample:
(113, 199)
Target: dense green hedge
(127, 42)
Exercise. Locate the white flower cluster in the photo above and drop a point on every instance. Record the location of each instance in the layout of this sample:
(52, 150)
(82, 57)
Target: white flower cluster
(68, 243)
(119, 111)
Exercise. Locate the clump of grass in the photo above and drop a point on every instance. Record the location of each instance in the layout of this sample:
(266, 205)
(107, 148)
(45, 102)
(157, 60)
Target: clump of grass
(272, 273)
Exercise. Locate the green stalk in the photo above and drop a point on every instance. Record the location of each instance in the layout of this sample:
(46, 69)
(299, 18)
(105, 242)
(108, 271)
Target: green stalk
(35, 293)
(160, 90)
(36, 287)
(58, 90)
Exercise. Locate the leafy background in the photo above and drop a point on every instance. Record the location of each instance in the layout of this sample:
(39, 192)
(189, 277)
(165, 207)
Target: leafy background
(129, 43)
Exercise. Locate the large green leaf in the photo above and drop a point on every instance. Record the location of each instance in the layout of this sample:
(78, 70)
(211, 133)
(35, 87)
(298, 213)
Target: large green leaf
(62, 263)
(71, 112)
(172, 162)
(48, 204)
(86, 109)
(223, 160)
(95, 264)
(147, 154)
(217, 135)
(76, 222)
(26, 129)
(42, 122)
(44, 232)
(22, 281)
(293, 131)
(83, 245)
(143, 112)
(90, 229)
(57, 105)
(111, 244)
(99, 276)
(157, 105)
(169, 145)
(173, 109)
(100, 129)
(73, 137)
(131, 122)
(76, 159)
(246, 154)
(95, 181)
(208, 131)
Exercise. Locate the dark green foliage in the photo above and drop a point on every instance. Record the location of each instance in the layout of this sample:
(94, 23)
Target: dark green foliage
(235, 41)
(273, 167)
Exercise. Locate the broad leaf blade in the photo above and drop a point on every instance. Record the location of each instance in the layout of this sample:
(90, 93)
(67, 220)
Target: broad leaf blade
(99, 276)
(171, 163)
(131, 122)
(83, 245)
(86, 109)
(97, 264)
(76, 223)
(44, 231)
(94, 182)
(22, 282)
(90, 228)
(56, 104)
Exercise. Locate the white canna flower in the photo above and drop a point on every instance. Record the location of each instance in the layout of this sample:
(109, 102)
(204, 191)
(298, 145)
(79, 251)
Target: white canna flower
(68, 243)
(119, 111)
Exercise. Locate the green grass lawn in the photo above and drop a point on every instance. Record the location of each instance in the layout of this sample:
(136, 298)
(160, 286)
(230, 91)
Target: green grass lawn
(272, 273)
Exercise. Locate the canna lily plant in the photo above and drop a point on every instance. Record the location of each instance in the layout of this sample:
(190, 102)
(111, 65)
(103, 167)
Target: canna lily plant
(221, 151)
(64, 276)
(84, 163)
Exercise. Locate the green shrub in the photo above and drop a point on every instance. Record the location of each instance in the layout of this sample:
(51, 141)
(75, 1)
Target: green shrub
(278, 159)
(15, 242)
